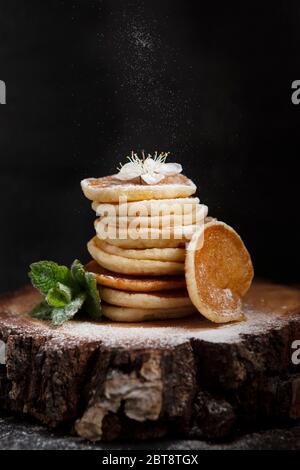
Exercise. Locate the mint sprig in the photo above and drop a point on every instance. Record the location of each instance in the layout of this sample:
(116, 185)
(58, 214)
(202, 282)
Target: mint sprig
(59, 296)
(87, 282)
(61, 315)
(66, 291)
(45, 275)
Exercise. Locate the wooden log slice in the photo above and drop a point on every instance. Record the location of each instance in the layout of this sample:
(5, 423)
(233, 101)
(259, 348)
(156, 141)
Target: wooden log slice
(113, 380)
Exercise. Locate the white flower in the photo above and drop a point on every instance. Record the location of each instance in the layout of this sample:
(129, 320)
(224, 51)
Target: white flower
(151, 170)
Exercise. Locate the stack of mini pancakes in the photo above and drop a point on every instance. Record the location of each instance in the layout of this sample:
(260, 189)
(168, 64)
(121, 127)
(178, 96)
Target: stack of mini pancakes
(139, 248)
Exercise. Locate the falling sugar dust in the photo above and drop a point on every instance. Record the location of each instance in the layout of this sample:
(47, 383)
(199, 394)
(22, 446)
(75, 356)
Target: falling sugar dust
(146, 66)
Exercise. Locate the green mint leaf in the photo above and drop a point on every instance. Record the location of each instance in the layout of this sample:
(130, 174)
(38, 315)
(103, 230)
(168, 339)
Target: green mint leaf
(44, 275)
(59, 296)
(66, 291)
(78, 273)
(63, 314)
(93, 302)
(87, 282)
(42, 311)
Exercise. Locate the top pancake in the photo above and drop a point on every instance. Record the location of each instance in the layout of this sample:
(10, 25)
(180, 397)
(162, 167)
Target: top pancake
(110, 188)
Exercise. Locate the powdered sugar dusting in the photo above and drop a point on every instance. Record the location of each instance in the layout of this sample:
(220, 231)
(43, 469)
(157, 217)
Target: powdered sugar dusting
(173, 333)
(266, 307)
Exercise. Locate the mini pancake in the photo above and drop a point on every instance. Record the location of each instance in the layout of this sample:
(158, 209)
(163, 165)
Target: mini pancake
(218, 271)
(110, 233)
(158, 299)
(145, 208)
(133, 283)
(110, 188)
(159, 221)
(161, 254)
(126, 314)
(120, 264)
(140, 244)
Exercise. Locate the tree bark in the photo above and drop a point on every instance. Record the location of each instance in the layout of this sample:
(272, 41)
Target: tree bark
(189, 377)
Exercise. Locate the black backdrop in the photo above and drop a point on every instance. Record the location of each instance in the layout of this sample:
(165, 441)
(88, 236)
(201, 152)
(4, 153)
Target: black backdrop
(89, 80)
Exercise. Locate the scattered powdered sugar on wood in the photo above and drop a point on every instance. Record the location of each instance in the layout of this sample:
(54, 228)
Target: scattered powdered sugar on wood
(160, 335)
(266, 307)
(137, 336)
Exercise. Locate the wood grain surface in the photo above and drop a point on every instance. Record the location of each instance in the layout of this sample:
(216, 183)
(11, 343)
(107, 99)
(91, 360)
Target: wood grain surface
(187, 377)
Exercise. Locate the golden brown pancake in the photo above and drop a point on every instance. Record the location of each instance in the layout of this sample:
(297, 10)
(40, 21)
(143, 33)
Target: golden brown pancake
(133, 283)
(218, 272)
(142, 244)
(127, 314)
(147, 236)
(160, 254)
(194, 217)
(158, 299)
(120, 264)
(145, 207)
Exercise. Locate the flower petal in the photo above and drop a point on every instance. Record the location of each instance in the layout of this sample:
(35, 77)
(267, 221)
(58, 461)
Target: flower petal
(129, 171)
(170, 168)
(152, 178)
(150, 165)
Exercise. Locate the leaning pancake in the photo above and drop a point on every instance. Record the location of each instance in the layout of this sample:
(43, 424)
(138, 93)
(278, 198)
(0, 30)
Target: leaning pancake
(127, 314)
(110, 188)
(124, 265)
(161, 254)
(163, 299)
(219, 272)
(133, 283)
(145, 208)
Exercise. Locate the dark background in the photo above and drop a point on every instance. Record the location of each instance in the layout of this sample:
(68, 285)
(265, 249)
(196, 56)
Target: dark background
(88, 80)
